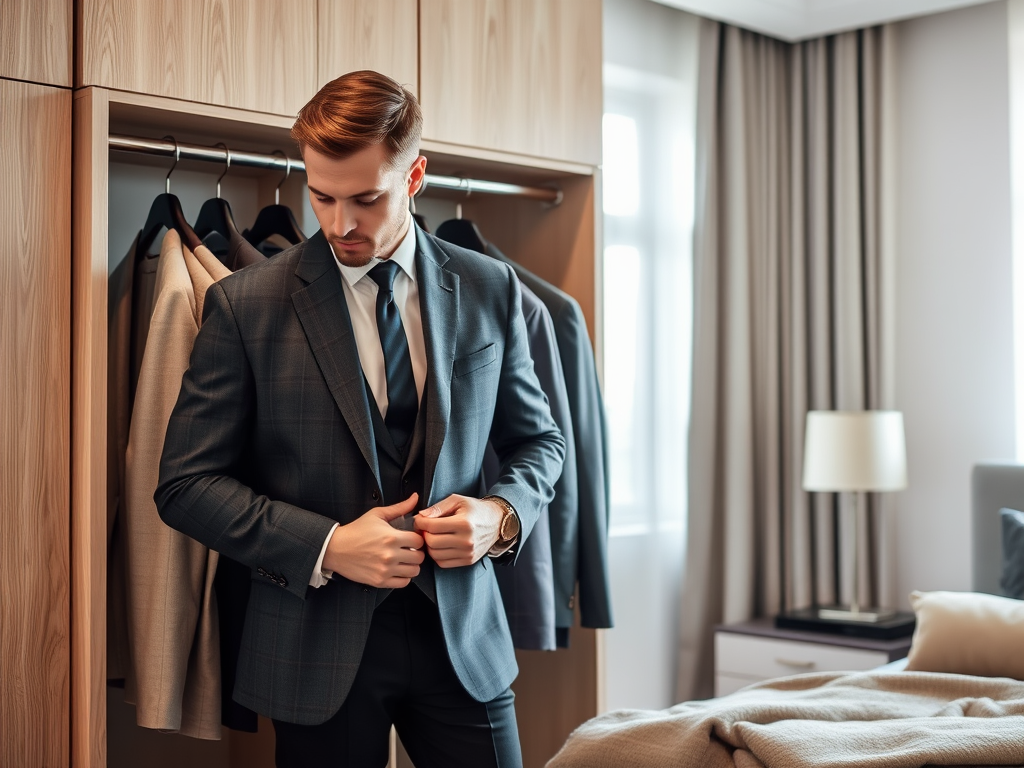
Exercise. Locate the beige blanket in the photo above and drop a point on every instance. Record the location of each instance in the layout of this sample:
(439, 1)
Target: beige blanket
(867, 719)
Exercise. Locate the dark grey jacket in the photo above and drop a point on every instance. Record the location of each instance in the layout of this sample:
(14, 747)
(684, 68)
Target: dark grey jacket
(270, 443)
(590, 433)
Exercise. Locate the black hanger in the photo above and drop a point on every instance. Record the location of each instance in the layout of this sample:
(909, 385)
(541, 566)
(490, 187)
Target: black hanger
(276, 219)
(215, 215)
(216, 225)
(273, 220)
(165, 213)
(460, 231)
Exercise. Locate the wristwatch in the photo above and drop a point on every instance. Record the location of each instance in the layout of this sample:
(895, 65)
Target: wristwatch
(508, 528)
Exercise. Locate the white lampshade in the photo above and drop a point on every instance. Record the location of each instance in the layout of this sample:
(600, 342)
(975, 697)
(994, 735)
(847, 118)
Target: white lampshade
(855, 451)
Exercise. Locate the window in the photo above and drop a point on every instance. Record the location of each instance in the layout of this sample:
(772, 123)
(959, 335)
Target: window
(648, 232)
(647, 189)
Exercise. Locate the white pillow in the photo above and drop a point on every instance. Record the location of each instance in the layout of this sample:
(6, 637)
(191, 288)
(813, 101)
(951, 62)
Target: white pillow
(968, 633)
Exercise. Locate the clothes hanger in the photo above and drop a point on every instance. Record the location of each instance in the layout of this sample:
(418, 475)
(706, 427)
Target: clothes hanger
(165, 214)
(215, 224)
(460, 231)
(276, 219)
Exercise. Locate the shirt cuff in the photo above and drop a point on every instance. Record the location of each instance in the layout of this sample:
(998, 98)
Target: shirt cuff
(320, 576)
(497, 551)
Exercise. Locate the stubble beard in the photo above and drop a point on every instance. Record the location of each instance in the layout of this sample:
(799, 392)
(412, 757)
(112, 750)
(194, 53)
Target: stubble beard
(362, 258)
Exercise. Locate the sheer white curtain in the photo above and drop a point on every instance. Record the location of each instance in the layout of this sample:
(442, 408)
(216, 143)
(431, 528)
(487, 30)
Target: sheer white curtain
(648, 171)
(793, 311)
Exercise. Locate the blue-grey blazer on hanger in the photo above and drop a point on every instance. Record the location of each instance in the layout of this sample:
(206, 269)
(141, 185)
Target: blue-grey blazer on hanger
(271, 443)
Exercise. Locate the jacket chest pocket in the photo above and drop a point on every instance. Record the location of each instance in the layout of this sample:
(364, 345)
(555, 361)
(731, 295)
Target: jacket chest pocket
(463, 366)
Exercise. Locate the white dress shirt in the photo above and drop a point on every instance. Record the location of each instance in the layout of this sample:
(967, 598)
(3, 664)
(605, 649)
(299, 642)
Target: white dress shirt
(361, 297)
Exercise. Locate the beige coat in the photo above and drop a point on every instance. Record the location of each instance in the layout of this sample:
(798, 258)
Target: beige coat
(171, 602)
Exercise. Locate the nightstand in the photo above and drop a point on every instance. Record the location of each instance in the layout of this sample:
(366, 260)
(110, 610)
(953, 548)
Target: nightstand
(757, 650)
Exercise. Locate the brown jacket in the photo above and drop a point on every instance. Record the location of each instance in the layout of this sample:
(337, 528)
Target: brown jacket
(171, 603)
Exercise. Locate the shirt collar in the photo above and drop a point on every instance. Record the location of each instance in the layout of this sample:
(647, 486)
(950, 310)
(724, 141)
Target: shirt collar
(404, 256)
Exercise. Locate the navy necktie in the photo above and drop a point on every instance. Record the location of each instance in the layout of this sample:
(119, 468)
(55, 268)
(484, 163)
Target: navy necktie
(402, 400)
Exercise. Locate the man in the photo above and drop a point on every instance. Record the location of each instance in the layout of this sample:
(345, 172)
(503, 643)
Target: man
(329, 434)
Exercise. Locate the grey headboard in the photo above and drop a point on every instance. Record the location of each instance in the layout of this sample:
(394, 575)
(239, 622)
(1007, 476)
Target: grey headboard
(993, 486)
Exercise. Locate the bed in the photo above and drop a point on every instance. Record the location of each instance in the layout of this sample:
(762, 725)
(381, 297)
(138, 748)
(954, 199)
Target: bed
(959, 700)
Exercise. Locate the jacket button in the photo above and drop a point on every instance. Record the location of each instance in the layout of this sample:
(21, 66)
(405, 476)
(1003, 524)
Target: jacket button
(375, 496)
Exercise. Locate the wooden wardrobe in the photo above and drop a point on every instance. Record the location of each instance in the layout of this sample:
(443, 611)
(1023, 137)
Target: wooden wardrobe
(511, 91)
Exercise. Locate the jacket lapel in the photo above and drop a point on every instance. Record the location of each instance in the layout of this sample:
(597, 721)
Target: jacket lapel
(439, 307)
(325, 320)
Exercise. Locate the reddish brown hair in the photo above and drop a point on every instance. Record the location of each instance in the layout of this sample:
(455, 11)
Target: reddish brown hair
(356, 111)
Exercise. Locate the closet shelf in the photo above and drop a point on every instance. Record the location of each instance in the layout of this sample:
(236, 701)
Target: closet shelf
(184, 151)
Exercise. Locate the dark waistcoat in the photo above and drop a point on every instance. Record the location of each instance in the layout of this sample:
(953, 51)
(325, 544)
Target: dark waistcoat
(402, 473)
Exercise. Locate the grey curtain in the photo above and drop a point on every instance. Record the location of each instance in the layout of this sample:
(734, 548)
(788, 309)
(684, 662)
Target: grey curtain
(793, 312)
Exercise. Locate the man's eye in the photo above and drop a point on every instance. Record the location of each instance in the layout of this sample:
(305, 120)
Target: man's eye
(367, 203)
(320, 199)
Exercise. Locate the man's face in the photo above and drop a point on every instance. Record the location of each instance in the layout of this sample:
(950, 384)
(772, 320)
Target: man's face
(361, 202)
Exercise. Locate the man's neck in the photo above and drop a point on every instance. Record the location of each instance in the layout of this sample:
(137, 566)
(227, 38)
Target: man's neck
(398, 240)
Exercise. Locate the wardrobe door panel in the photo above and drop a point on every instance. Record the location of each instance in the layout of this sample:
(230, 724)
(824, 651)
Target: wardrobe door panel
(368, 34)
(520, 76)
(35, 332)
(35, 41)
(250, 54)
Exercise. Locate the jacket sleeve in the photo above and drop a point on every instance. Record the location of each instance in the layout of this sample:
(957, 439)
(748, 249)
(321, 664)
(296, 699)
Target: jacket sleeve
(199, 493)
(528, 443)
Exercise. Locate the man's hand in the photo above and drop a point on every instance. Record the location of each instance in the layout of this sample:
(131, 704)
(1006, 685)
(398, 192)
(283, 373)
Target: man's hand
(369, 551)
(459, 530)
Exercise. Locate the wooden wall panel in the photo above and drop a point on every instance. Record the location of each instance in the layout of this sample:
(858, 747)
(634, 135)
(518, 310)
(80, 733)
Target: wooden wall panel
(249, 54)
(369, 34)
(35, 41)
(89, 431)
(35, 333)
(520, 76)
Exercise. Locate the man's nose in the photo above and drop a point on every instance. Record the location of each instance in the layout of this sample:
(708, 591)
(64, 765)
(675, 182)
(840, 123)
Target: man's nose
(344, 219)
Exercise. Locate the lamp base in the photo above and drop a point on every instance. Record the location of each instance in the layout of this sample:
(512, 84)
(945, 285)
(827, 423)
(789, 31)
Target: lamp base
(837, 620)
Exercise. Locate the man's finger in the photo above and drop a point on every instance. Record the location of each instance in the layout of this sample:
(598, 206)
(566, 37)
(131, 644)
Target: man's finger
(411, 557)
(435, 541)
(455, 561)
(408, 539)
(443, 508)
(449, 524)
(395, 511)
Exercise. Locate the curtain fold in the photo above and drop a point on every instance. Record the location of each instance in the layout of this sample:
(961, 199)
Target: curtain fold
(792, 281)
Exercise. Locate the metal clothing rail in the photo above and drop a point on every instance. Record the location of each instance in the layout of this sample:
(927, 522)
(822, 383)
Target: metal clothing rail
(182, 151)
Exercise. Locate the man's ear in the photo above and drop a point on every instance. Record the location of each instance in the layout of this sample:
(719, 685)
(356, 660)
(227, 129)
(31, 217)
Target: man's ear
(416, 175)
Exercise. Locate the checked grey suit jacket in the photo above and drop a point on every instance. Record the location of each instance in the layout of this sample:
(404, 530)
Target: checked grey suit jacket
(270, 444)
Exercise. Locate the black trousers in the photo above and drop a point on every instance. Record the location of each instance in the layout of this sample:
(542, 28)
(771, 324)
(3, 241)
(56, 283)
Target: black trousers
(406, 679)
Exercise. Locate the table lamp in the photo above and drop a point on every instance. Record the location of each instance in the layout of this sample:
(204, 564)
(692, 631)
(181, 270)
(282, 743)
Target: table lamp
(855, 451)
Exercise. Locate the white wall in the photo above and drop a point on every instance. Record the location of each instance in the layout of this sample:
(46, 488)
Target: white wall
(954, 345)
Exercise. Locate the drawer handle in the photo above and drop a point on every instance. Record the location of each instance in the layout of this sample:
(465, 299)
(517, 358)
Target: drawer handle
(794, 664)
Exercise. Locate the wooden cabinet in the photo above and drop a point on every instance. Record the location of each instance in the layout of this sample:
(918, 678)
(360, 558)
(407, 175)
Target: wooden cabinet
(753, 651)
(511, 91)
(35, 392)
(520, 76)
(368, 34)
(35, 41)
(251, 54)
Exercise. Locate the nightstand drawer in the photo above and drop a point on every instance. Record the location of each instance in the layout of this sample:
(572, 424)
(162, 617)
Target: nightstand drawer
(726, 684)
(761, 658)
